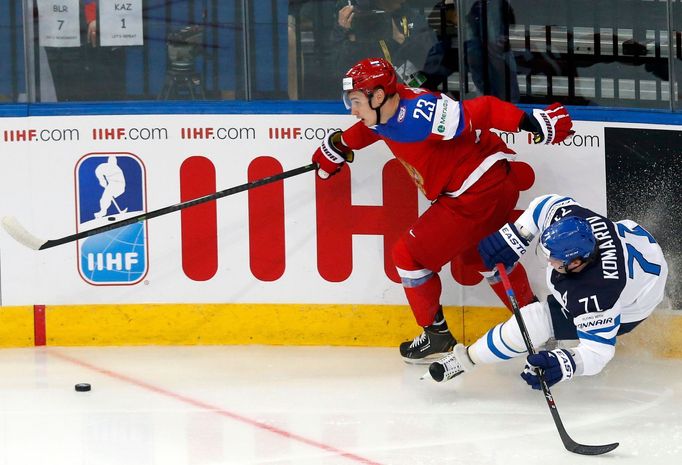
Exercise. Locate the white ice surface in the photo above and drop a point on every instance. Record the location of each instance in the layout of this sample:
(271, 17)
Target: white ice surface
(319, 405)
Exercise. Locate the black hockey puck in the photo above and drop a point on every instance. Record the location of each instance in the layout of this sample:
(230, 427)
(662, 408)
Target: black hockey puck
(82, 387)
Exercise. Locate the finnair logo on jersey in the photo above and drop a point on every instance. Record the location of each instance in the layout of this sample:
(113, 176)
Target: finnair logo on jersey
(596, 321)
(111, 187)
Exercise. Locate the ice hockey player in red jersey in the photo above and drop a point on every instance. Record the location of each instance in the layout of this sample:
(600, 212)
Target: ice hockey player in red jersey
(459, 165)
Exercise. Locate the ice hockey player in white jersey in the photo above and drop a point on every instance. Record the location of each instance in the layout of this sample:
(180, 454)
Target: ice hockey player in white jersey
(606, 276)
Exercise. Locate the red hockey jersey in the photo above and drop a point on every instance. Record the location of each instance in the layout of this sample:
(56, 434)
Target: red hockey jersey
(445, 145)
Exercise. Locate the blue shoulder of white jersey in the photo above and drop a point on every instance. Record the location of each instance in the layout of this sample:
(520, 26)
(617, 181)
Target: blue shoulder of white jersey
(423, 115)
(542, 210)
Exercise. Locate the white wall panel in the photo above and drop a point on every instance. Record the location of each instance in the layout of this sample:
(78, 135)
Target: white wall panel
(38, 188)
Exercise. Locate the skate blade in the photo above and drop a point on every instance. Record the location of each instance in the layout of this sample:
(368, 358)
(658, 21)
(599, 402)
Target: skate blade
(428, 360)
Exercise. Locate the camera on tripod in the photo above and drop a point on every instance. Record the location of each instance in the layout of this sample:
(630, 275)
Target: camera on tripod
(184, 45)
(182, 79)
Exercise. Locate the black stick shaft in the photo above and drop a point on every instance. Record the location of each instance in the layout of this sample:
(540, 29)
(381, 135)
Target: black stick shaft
(569, 443)
(178, 206)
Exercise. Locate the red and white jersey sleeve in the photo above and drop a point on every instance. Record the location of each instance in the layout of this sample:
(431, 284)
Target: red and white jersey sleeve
(492, 113)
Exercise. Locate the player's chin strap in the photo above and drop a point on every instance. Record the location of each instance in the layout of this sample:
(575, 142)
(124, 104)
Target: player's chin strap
(587, 261)
(378, 109)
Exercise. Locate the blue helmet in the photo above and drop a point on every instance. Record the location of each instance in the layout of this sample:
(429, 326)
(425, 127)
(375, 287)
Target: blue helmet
(568, 239)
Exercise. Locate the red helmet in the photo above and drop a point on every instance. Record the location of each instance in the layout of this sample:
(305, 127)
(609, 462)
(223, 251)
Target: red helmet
(369, 74)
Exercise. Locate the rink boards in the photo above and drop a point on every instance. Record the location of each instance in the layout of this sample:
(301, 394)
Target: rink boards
(286, 263)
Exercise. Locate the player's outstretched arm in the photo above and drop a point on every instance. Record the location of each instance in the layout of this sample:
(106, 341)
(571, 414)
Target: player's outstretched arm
(488, 112)
(549, 126)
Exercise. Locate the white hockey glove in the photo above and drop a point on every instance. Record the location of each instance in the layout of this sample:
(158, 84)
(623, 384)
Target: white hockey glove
(558, 365)
(555, 124)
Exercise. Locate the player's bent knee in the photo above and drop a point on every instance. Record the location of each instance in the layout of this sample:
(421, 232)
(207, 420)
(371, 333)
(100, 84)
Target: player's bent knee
(538, 322)
(402, 258)
(412, 274)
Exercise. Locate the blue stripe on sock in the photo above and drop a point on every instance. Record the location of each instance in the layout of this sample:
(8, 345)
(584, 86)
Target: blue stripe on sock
(415, 282)
(505, 344)
(494, 349)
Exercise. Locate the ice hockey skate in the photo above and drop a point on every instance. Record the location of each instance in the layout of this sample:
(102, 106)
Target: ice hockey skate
(432, 343)
(453, 364)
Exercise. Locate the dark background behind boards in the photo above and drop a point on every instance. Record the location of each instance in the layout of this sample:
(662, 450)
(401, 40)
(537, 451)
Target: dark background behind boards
(644, 184)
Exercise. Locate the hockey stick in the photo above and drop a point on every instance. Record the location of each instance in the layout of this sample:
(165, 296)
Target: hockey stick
(20, 234)
(569, 443)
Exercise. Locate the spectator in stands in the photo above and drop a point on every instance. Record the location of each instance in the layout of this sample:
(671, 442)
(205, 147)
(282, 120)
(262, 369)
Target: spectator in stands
(390, 29)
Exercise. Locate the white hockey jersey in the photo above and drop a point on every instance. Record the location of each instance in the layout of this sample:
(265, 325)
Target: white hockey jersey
(624, 283)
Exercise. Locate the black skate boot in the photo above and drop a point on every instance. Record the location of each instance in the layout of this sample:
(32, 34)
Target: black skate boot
(435, 341)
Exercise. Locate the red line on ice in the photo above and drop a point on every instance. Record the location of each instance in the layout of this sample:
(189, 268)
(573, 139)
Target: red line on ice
(217, 410)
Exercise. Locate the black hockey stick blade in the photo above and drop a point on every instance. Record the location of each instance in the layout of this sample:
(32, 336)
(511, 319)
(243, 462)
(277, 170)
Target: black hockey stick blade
(569, 443)
(20, 234)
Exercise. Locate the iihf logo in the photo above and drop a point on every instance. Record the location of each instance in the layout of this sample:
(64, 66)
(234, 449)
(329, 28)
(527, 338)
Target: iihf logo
(111, 187)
